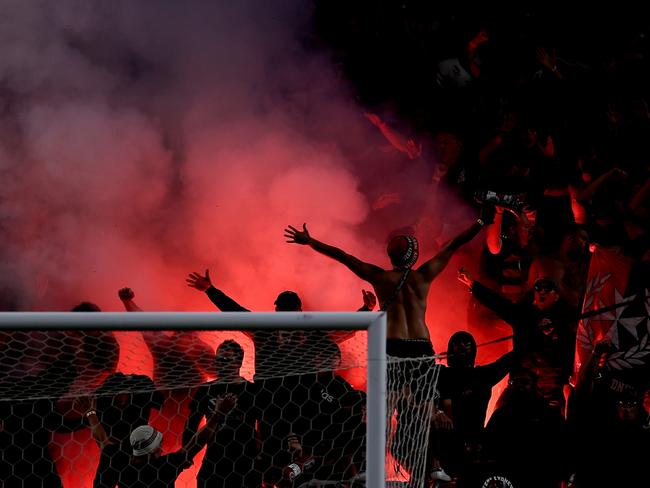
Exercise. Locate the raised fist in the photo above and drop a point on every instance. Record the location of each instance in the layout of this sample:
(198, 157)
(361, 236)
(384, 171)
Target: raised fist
(126, 294)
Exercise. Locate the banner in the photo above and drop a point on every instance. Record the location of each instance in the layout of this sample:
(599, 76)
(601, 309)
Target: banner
(613, 280)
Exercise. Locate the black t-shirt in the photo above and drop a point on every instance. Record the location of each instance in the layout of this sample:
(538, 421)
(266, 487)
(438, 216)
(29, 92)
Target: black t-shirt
(118, 419)
(326, 413)
(233, 446)
(160, 472)
(330, 408)
(545, 340)
(470, 389)
(323, 410)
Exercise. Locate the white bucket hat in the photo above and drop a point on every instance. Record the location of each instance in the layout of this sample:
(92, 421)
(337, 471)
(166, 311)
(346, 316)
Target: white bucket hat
(145, 440)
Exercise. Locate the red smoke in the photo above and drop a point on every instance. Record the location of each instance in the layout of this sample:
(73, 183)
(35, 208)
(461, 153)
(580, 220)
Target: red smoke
(140, 144)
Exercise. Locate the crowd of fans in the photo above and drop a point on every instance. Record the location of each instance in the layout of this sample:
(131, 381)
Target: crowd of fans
(298, 421)
(539, 122)
(544, 113)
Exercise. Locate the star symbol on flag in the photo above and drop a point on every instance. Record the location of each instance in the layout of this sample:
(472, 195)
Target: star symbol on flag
(627, 323)
(594, 287)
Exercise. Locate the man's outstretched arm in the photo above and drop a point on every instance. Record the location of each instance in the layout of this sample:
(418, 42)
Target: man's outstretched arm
(435, 265)
(222, 301)
(507, 311)
(365, 271)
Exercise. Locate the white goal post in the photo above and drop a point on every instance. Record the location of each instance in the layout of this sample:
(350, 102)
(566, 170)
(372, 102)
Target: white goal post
(373, 322)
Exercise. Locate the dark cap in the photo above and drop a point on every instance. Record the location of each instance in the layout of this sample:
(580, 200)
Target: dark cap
(403, 251)
(288, 301)
(86, 307)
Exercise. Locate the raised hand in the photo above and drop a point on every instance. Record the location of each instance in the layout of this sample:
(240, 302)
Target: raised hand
(369, 299)
(225, 404)
(201, 283)
(296, 236)
(465, 278)
(126, 294)
(413, 149)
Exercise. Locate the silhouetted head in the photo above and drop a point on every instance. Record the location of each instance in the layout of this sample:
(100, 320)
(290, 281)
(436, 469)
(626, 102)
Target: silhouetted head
(403, 251)
(545, 293)
(629, 408)
(228, 358)
(522, 383)
(461, 350)
(288, 301)
(86, 307)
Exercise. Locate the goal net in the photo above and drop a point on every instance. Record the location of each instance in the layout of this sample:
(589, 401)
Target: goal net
(231, 399)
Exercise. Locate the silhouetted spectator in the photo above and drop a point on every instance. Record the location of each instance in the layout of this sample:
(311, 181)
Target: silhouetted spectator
(27, 425)
(98, 353)
(544, 332)
(402, 292)
(323, 420)
(621, 440)
(181, 358)
(149, 468)
(281, 358)
(123, 402)
(229, 459)
(469, 389)
(277, 353)
(608, 425)
(527, 435)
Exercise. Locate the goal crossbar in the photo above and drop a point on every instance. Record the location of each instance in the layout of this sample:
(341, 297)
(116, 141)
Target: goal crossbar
(373, 322)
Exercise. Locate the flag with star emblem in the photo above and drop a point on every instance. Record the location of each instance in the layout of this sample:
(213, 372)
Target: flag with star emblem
(613, 280)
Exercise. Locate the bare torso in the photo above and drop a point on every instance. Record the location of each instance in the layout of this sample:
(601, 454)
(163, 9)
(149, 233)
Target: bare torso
(407, 311)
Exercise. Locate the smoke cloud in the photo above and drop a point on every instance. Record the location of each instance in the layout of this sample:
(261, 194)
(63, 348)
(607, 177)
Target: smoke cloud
(144, 140)
(140, 141)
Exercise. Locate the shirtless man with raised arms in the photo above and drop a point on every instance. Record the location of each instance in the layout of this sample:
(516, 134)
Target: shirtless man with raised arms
(402, 291)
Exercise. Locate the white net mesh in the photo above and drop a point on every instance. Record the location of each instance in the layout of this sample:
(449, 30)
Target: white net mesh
(299, 417)
(412, 402)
